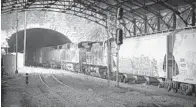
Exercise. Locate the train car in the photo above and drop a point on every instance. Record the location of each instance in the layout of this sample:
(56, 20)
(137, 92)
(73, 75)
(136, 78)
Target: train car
(184, 52)
(70, 57)
(146, 56)
(46, 56)
(55, 56)
(37, 57)
(92, 59)
(143, 56)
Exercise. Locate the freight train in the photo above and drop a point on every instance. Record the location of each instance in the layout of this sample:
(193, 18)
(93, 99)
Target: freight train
(167, 57)
(85, 57)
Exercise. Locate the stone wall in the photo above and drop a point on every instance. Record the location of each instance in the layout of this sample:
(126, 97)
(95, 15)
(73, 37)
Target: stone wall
(76, 28)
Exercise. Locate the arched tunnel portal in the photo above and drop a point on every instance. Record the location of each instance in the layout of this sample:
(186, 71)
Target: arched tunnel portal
(36, 38)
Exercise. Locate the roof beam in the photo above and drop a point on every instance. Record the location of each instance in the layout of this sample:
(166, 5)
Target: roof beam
(172, 8)
(152, 11)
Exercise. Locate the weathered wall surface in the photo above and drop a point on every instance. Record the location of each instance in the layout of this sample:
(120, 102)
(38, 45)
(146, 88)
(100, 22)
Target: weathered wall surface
(75, 28)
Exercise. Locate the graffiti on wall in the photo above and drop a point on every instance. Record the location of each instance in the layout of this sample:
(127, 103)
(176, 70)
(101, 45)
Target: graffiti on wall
(191, 63)
(143, 65)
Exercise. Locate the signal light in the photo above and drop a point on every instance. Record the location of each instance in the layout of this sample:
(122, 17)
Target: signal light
(119, 37)
(120, 13)
(30, 0)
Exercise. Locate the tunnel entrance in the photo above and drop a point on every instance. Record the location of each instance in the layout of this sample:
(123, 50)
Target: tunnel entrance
(36, 38)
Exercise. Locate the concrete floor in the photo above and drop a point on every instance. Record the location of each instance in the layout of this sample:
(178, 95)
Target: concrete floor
(62, 88)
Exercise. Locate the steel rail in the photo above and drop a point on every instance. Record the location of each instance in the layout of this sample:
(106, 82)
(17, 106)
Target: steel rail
(64, 84)
(54, 94)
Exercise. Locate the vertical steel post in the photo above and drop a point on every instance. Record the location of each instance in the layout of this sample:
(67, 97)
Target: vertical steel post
(7, 46)
(145, 24)
(25, 33)
(16, 41)
(174, 21)
(134, 27)
(158, 22)
(193, 16)
(108, 53)
(117, 66)
(117, 55)
(167, 57)
(174, 14)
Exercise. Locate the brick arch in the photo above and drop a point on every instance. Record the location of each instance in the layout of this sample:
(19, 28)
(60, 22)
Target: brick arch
(10, 32)
(75, 28)
(36, 38)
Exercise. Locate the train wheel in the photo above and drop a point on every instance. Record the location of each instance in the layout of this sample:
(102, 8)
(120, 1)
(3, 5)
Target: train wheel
(124, 80)
(160, 85)
(188, 90)
(175, 87)
(175, 90)
(147, 82)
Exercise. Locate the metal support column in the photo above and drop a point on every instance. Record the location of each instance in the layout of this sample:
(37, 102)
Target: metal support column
(108, 53)
(117, 66)
(16, 42)
(193, 16)
(158, 24)
(7, 46)
(174, 14)
(174, 20)
(25, 33)
(145, 24)
(134, 27)
(117, 55)
(108, 61)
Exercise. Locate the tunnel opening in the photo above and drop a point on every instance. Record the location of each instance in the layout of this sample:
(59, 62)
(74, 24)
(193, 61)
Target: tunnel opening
(36, 38)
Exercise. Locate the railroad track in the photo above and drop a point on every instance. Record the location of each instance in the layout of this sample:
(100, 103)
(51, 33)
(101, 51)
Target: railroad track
(154, 104)
(64, 84)
(61, 99)
(83, 95)
(125, 85)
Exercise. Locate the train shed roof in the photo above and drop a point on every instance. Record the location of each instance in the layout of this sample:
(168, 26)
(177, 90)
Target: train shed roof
(139, 12)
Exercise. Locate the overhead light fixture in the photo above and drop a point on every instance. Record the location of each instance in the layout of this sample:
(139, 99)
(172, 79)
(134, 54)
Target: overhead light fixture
(31, 0)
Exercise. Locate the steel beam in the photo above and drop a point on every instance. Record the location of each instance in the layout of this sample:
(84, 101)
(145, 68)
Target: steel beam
(145, 24)
(173, 9)
(174, 21)
(158, 24)
(193, 15)
(134, 27)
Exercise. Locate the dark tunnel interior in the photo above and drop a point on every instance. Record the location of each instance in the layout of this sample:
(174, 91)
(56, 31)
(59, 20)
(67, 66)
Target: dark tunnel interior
(36, 38)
